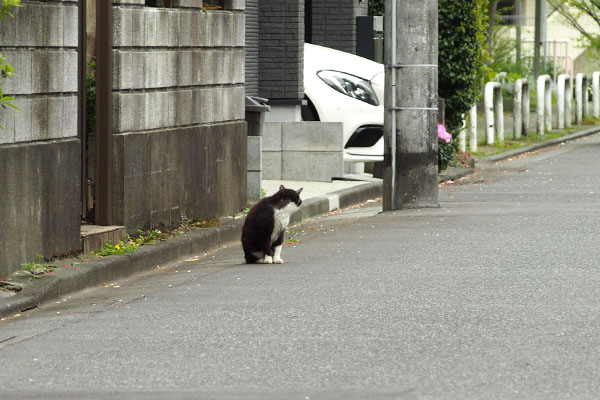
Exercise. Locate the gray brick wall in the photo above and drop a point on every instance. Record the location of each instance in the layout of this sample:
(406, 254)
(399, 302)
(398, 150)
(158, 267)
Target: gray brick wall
(39, 149)
(178, 100)
(281, 39)
(41, 44)
(334, 23)
(193, 74)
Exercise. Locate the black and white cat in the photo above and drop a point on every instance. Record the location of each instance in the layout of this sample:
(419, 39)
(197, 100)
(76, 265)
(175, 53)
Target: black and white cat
(262, 234)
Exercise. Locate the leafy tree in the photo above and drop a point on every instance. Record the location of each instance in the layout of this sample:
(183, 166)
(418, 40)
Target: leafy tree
(574, 11)
(5, 6)
(376, 7)
(462, 55)
(492, 14)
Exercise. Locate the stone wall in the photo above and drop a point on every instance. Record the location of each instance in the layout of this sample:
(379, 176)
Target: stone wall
(254, 167)
(39, 149)
(334, 23)
(179, 132)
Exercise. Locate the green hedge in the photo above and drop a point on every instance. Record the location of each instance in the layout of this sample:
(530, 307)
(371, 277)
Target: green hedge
(462, 56)
(376, 7)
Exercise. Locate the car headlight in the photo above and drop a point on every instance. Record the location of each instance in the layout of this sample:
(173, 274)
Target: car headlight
(350, 85)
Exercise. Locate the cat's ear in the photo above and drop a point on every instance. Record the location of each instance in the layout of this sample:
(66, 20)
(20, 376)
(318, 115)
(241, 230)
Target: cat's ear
(299, 191)
(281, 187)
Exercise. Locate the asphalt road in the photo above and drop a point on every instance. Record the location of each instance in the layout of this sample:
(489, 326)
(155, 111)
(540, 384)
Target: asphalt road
(495, 295)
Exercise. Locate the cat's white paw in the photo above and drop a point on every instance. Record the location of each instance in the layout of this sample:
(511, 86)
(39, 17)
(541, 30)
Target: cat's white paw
(268, 260)
(277, 260)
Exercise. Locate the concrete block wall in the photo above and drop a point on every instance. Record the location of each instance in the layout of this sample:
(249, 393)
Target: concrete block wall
(44, 55)
(303, 151)
(39, 149)
(254, 166)
(281, 49)
(334, 23)
(178, 84)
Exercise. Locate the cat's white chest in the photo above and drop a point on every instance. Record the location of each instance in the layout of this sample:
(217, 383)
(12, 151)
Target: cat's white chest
(281, 219)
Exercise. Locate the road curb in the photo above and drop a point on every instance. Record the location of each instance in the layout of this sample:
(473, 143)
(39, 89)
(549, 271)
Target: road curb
(111, 268)
(451, 174)
(538, 146)
(108, 269)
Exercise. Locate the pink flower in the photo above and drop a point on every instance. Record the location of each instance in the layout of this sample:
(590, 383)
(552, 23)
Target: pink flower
(443, 134)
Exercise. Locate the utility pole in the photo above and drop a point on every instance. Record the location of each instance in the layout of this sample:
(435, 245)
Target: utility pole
(519, 24)
(538, 38)
(411, 100)
(544, 31)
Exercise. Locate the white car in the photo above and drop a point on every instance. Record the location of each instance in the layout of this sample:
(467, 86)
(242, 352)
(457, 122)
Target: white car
(343, 87)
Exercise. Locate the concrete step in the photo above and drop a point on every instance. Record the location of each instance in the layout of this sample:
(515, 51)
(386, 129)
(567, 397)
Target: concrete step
(93, 237)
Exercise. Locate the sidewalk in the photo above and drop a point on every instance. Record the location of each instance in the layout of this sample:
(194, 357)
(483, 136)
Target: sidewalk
(318, 199)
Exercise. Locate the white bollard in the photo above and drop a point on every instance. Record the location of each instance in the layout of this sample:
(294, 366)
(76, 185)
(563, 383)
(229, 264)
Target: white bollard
(596, 93)
(462, 140)
(565, 94)
(569, 103)
(581, 97)
(544, 104)
(494, 112)
(473, 128)
(521, 108)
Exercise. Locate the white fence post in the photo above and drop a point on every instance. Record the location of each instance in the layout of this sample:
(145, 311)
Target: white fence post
(581, 97)
(494, 112)
(565, 94)
(521, 108)
(473, 128)
(596, 93)
(462, 139)
(544, 104)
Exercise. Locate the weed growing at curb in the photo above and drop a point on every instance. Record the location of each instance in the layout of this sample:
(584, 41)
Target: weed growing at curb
(242, 213)
(291, 240)
(148, 237)
(199, 222)
(153, 236)
(37, 268)
(512, 144)
(110, 249)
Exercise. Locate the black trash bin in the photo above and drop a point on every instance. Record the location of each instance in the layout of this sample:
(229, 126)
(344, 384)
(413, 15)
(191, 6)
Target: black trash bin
(255, 114)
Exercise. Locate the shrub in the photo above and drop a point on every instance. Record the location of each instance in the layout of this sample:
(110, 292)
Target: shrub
(376, 7)
(462, 56)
